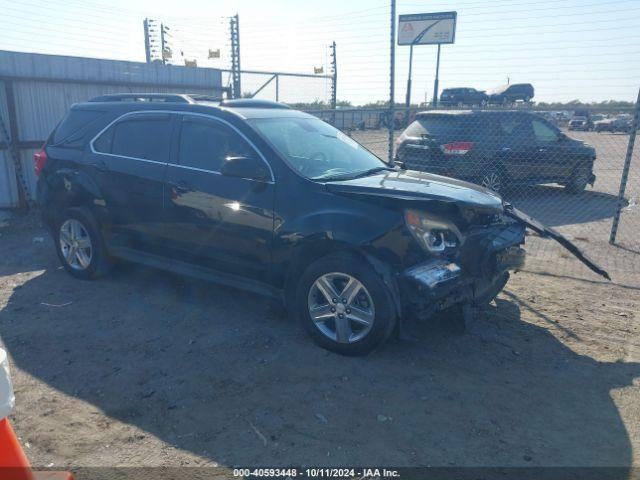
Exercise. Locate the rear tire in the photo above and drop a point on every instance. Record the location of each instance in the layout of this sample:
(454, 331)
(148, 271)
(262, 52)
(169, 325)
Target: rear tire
(80, 246)
(367, 309)
(492, 179)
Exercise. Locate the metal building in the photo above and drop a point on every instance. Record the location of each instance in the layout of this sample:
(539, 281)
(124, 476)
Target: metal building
(37, 90)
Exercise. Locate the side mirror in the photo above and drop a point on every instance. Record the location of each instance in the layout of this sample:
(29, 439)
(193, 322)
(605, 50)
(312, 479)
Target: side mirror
(245, 167)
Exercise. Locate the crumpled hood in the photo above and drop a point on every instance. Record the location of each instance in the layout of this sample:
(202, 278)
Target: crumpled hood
(411, 185)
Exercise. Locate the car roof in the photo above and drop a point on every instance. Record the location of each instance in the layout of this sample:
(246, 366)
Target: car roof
(244, 108)
(468, 113)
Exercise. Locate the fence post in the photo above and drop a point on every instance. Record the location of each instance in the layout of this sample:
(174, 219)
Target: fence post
(392, 72)
(625, 172)
(234, 27)
(334, 76)
(12, 139)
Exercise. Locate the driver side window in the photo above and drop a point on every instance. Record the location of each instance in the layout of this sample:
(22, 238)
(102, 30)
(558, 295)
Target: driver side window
(543, 133)
(204, 144)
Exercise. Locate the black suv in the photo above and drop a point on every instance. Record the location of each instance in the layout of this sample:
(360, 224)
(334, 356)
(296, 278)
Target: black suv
(258, 196)
(463, 97)
(511, 93)
(495, 149)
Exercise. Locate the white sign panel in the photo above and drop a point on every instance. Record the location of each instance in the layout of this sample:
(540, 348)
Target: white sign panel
(427, 28)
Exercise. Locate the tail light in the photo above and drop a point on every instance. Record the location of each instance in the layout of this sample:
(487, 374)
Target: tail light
(39, 159)
(457, 148)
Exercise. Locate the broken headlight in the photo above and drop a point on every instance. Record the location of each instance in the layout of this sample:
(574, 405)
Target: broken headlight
(433, 234)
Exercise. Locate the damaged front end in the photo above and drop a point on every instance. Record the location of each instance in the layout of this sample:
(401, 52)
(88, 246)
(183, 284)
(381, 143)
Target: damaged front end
(466, 239)
(473, 271)
(470, 263)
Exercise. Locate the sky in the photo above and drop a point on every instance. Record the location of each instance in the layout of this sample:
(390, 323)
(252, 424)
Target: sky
(587, 50)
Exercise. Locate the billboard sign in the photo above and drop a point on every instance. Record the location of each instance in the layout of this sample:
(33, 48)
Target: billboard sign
(427, 28)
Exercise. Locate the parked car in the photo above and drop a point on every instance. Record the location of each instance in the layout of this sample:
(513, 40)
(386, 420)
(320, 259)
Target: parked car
(252, 194)
(511, 93)
(463, 97)
(596, 117)
(495, 149)
(619, 123)
(604, 125)
(579, 124)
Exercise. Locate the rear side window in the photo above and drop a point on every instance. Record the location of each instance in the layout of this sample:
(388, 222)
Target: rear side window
(543, 132)
(144, 137)
(517, 130)
(73, 122)
(513, 124)
(205, 144)
(451, 127)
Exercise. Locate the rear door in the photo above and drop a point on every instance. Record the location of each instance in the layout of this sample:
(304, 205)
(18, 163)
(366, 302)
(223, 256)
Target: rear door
(128, 161)
(518, 149)
(217, 221)
(554, 161)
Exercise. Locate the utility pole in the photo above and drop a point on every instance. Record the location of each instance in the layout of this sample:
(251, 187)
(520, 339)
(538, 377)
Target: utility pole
(334, 77)
(236, 88)
(155, 32)
(147, 44)
(162, 44)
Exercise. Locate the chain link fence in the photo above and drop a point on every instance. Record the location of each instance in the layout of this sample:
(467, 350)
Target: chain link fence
(567, 173)
(561, 152)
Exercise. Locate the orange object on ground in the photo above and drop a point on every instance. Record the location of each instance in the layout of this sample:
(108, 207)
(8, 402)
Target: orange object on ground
(13, 462)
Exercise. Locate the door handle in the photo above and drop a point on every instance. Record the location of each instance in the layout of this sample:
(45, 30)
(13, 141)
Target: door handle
(506, 149)
(542, 150)
(180, 186)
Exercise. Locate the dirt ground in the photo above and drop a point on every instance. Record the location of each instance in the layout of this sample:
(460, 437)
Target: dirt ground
(143, 368)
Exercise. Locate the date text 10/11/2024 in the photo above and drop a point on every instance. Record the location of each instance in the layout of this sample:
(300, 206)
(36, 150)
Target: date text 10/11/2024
(315, 473)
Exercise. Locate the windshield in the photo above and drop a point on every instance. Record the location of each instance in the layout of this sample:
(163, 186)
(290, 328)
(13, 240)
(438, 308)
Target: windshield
(498, 90)
(317, 150)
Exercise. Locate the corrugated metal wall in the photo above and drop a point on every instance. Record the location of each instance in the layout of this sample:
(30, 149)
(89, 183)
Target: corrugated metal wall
(45, 86)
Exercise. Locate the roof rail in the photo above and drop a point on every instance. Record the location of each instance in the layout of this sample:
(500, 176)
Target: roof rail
(201, 97)
(252, 103)
(188, 98)
(144, 97)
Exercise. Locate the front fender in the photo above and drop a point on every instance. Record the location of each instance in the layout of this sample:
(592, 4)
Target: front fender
(353, 228)
(312, 236)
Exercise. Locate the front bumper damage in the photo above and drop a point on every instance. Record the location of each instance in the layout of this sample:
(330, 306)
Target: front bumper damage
(481, 269)
(474, 277)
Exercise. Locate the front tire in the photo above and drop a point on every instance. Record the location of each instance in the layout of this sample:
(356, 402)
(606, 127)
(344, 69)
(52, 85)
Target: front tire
(80, 246)
(579, 181)
(344, 305)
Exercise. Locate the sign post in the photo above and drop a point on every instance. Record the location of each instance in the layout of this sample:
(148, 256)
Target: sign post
(435, 82)
(426, 29)
(408, 99)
